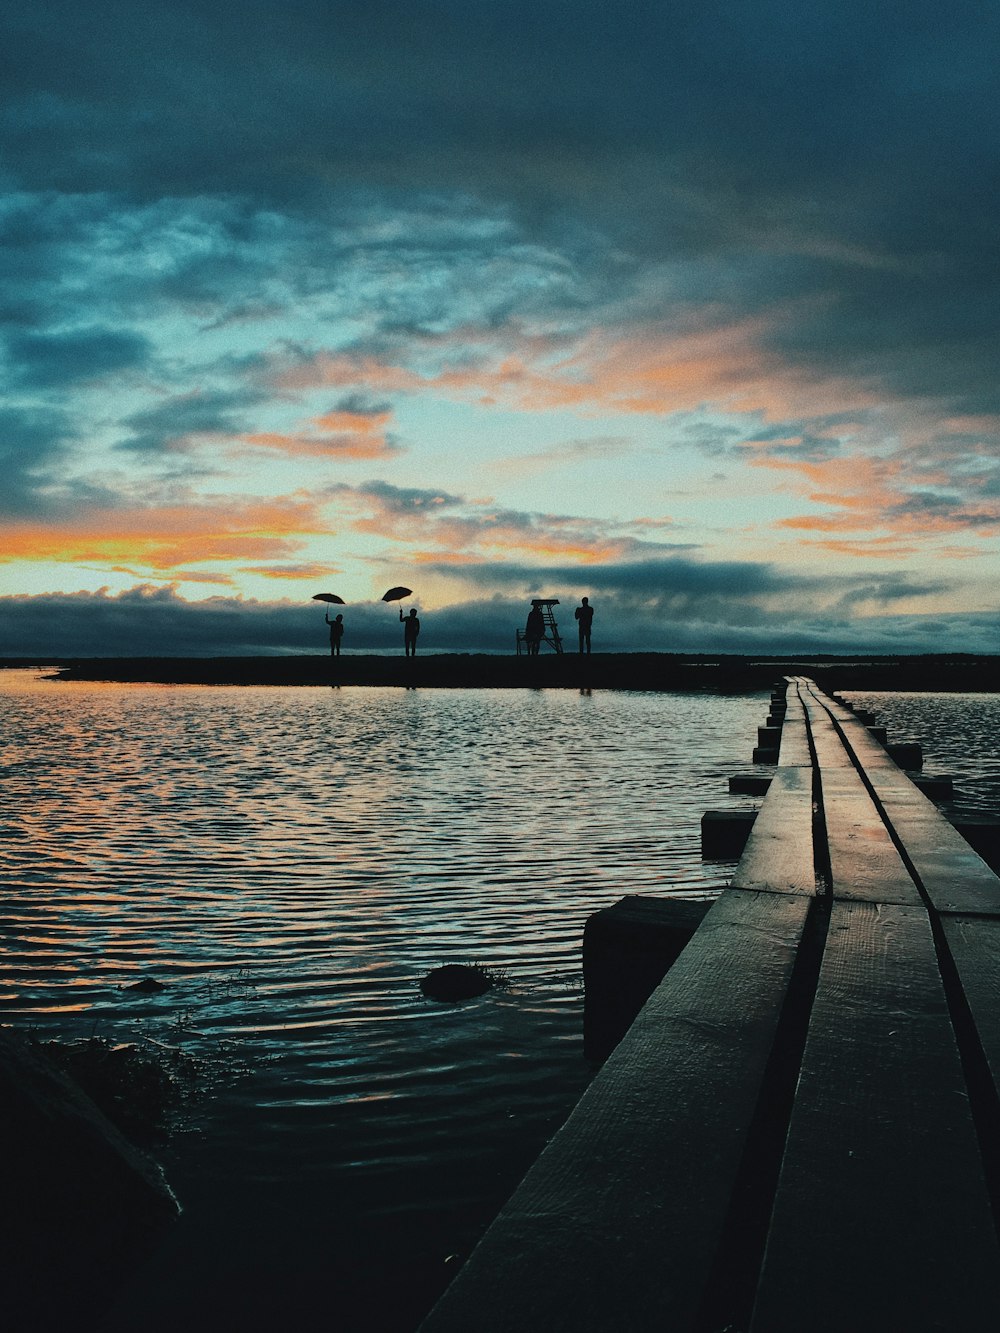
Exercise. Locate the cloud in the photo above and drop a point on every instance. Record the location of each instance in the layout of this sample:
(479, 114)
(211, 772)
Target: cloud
(33, 442)
(48, 360)
(351, 429)
(477, 182)
(293, 572)
(441, 526)
(304, 236)
(679, 608)
(167, 537)
(681, 583)
(872, 495)
(174, 425)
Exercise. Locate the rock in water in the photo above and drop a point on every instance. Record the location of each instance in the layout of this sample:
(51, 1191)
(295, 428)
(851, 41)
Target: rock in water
(147, 986)
(455, 981)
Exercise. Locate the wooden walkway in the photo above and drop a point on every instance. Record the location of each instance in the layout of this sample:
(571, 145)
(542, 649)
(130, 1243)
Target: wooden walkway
(801, 1131)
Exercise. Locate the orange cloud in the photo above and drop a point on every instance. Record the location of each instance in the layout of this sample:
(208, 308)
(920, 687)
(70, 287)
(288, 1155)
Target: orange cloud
(344, 371)
(340, 433)
(303, 571)
(483, 530)
(213, 576)
(167, 537)
(655, 371)
(888, 548)
(878, 495)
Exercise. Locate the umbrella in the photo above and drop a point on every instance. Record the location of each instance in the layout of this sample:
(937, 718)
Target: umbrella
(394, 594)
(329, 597)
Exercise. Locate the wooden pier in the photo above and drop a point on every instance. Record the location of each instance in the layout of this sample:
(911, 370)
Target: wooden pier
(800, 1133)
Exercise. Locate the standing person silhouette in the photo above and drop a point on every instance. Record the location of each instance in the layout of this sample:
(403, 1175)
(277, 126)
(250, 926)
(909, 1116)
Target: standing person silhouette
(411, 628)
(534, 630)
(584, 615)
(336, 634)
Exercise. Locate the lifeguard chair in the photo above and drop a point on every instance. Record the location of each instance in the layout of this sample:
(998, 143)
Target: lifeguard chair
(551, 629)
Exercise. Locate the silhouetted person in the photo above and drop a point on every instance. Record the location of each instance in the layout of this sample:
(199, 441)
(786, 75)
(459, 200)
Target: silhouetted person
(534, 630)
(336, 634)
(411, 628)
(584, 615)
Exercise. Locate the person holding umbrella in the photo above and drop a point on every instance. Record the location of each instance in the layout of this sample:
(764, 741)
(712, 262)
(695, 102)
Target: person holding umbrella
(411, 629)
(336, 626)
(336, 633)
(411, 625)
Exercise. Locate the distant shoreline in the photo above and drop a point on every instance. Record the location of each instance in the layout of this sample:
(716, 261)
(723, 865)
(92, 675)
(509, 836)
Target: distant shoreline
(624, 671)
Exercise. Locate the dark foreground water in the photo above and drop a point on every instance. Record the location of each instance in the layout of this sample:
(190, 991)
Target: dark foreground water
(289, 863)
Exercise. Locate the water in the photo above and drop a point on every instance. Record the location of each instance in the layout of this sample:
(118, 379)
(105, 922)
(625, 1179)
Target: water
(289, 863)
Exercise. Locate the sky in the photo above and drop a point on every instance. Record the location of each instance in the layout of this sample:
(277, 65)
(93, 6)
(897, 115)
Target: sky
(689, 307)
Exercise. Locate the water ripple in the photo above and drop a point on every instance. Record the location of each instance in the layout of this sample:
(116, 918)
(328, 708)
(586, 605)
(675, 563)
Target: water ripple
(288, 864)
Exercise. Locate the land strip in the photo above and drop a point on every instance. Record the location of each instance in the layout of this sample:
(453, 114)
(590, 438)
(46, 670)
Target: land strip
(628, 671)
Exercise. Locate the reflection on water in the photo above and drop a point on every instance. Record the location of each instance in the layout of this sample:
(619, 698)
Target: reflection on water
(337, 845)
(289, 863)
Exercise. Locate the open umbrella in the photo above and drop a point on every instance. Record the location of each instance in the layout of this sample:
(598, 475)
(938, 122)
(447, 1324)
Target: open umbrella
(394, 594)
(329, 597)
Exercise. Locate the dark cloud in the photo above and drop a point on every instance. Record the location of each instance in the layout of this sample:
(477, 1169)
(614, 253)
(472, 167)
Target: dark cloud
(702, 590)
(798, 440)
(33, 442)
(362, 405)
(170, 425)
(833, 165)
(398, 173)
(48, 360)
(149, 621)
(851, 146)
(401, 499)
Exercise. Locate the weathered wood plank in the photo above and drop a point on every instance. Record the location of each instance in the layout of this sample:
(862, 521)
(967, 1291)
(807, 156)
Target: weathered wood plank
(974, 943)
(778, 857)
(616, 1225)
(794, 736)
(627, 950)
(881, 1219)
(830, 751)
(870, 753)
(794, 747)
(954, 876)
(864, 862)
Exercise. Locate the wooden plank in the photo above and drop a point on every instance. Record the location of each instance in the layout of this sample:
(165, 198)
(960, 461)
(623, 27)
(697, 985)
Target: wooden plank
(864, 863)
(954, 876)
(830, 751)
(974, 943)
(881, 1219)
(778, 857)
(794, 747)
(870, 753)
(617, 1224)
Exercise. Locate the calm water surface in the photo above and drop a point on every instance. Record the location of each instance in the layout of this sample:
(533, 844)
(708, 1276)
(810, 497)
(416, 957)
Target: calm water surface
(289, 863)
